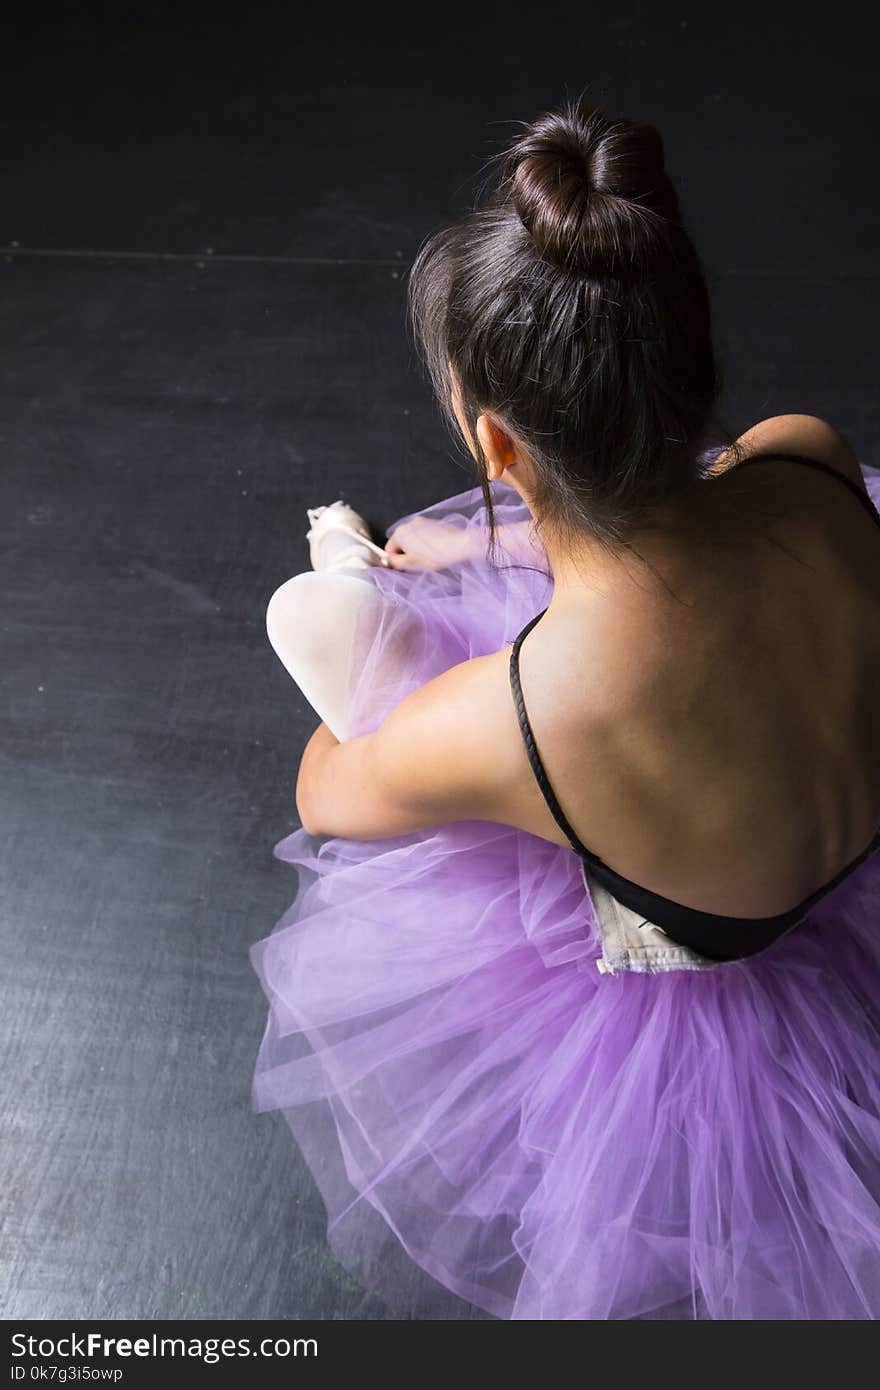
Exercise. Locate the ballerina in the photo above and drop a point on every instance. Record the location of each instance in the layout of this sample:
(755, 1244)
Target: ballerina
(583, 966)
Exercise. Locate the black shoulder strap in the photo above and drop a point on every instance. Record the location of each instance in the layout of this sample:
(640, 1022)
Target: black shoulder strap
(862, 494)
(537, 766)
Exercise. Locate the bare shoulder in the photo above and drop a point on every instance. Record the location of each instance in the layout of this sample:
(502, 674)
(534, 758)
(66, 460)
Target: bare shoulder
(809, 435)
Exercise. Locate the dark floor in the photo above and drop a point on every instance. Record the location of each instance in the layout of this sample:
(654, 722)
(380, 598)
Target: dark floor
(205, 233)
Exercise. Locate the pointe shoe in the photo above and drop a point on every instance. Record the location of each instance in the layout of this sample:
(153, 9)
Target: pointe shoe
(338, 516)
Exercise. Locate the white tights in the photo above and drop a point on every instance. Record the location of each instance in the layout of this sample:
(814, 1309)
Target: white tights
(311, 622)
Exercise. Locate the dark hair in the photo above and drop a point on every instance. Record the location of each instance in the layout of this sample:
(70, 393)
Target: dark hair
(571, 304)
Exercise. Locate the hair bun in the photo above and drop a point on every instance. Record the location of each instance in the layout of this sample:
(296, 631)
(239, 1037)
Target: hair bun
(592, 192)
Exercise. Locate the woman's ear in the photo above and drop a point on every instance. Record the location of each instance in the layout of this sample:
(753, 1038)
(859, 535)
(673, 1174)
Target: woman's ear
(496, 444)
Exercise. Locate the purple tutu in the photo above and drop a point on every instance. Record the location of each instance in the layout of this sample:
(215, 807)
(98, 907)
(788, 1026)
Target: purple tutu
(545, 1140)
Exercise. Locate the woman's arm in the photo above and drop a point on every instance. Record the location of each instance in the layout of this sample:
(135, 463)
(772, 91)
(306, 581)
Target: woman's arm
(425, 765)
(425, 543)
(321, 743)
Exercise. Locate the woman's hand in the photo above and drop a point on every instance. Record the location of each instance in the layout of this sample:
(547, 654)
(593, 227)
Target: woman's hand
(427, 544)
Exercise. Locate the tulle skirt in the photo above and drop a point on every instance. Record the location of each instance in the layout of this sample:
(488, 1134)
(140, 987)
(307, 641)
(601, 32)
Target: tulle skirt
(546, 1141)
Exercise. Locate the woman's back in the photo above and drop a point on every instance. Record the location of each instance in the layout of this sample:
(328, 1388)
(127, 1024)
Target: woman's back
(716, 737)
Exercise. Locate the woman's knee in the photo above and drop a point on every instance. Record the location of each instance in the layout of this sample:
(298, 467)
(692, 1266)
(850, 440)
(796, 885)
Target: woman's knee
(311, 615)
(293, 614)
